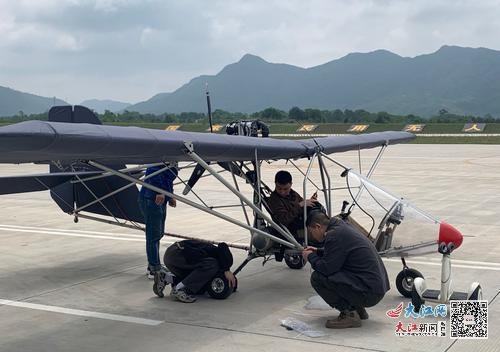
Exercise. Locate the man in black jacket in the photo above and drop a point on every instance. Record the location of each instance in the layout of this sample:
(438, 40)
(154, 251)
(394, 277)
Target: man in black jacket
(196, 262)
(349, 274)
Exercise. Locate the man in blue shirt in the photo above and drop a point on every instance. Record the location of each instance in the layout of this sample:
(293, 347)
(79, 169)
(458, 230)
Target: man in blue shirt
(153, 207)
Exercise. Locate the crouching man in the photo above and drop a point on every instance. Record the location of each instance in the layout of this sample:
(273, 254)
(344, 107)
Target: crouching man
(195, 263)
(348, 273)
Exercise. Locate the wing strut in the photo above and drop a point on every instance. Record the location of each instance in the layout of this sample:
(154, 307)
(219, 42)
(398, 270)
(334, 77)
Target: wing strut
(293, 245)
(278, 228)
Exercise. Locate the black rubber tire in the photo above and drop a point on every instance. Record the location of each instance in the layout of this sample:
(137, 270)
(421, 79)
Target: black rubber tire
(218, 287)
(235, 288)
(477, 294)
(294, 261)
(404, 281)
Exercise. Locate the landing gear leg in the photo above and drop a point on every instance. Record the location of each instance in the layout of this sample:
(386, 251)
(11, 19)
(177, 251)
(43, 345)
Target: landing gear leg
(405, 278)
(245, 262)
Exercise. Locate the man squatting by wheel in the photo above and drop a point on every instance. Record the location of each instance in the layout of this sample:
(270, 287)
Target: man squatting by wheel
(194, 263)
(348, 273)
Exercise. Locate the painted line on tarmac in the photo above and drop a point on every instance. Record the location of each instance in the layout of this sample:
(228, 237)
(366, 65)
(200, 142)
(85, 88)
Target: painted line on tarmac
(76, 231)
(71, 234)
(453, 265)
(75, 234)
(458, 261)
(88, 234)
(82, 313)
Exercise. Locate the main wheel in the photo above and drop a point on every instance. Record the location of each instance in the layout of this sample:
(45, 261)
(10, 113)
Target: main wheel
(235, 288)
(294, 261)
(218, 287)
(404, 281)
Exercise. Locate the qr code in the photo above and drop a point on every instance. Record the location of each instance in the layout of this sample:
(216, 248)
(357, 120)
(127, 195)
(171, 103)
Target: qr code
(469, 319)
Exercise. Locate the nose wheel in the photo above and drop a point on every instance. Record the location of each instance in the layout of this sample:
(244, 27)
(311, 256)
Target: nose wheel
(405, 279)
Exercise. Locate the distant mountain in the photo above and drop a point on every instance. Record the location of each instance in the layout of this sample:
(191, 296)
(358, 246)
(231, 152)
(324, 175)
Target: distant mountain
(13, 101)
(460, 80)
(100, 106)
(156, 104)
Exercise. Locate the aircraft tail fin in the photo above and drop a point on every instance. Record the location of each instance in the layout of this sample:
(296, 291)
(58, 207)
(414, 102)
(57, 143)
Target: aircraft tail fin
(73, 114)
(71, 196)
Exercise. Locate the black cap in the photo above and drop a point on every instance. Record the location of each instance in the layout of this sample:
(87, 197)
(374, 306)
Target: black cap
(224, 256)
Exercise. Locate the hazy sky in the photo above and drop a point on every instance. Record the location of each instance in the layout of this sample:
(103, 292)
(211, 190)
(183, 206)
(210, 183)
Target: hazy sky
(129, 50)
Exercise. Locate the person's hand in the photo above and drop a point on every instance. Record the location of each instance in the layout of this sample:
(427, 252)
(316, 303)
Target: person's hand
(305, 253)
(311, 248)
(172, 202)
(315, 196)
(230, 277)
(160, 199)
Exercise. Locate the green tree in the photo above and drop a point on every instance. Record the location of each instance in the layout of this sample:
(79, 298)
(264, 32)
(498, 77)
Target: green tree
(296, 114)
(383, 117)
(273, 114)
(108, 116)
(313, 115)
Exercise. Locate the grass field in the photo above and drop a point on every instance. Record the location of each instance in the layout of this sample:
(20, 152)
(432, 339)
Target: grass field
(330, 128)
(456, 140)
(291, 128)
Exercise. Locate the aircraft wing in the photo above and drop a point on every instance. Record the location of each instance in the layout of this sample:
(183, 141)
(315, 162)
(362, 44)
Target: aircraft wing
(42, 141)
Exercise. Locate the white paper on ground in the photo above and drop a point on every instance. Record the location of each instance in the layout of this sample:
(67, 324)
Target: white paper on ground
(301, 327)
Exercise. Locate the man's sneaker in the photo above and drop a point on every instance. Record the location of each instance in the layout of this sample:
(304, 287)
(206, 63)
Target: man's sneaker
(159, 284)
(182, 295)
(151, 275)
(345, 320)
(363, 314)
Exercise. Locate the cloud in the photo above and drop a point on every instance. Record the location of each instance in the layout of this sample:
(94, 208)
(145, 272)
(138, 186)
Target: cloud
(130, 50)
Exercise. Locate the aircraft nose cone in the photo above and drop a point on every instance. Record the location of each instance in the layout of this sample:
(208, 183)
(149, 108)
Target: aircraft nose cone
(25, 136)
(449, 234)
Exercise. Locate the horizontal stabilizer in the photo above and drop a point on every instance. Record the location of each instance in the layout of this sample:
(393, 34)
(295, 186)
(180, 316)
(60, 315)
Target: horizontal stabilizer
(40, 182)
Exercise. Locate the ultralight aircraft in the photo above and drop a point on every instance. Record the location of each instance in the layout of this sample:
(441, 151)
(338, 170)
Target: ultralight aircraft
(95, 170)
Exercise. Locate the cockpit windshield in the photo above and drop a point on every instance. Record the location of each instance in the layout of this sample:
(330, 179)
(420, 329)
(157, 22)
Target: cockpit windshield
(377, 209)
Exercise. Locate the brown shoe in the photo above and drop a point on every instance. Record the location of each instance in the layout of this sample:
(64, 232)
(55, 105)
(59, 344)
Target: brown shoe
(363, 314)
(345, 320)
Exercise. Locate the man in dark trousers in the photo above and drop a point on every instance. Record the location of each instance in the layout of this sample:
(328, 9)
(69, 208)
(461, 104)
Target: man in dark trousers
(348, 273)
(153, 207)
(194, 263)
(286, 205)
